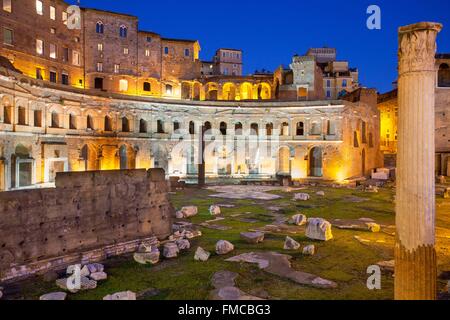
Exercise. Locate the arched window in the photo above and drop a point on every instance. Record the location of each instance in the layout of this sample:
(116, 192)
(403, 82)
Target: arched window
(99, 28)
(55, 120)
(160, 126)
(208, 127)
(108, 124)
(7, 114)
(90, 123)
(285, 129)
(191, 127)
(123, 31)
(269, 129)
(254, 129)
(169, 89)
(444, 75)
(22, 116)
(316, 128)
(147, 86)
(176, 126)
(238, 129)
(72, 122)
(142, 126)
(223, 128)
(125, 124)
(300, 129)
(123, 85)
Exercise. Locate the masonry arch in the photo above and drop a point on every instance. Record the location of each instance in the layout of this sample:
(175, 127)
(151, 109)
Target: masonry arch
(7, 110)
(264, 91)
(315, 163)
(211, 91)
(22, 167)
(229, 91)
(186, 90)
(246, 91)
(444, 75)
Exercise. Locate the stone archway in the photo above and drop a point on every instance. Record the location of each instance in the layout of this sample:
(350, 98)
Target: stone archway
(316, 162)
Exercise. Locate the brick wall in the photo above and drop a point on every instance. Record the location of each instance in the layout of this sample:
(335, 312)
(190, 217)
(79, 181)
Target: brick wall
(86, 211)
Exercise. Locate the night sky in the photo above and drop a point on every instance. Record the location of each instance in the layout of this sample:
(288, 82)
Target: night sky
(271, 32)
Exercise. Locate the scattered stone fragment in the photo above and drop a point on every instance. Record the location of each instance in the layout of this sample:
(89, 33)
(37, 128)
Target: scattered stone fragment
(192, 234)
(299, 220)
(372, 189)
(214, 210)
(121, 296)
(215, 226)
(85, 284)
(183, 244)
(368, 220)
(361, 240)
(181, 225)
(224, 247)
(54, 296)
(373, 227)
(252, 237)
(201, 255)
(276, 209)
(388, 266)
(95, 267)
(321, 194)
(301, 197)
(170, 250)
(319, 229)
(280, 265)
(231, 294)
(187, 212)
(229, 206)
(98, 276)
(222, 279)
(291, 244)
(309, 250)
(148, 293)
(85, 272)
(147, 255)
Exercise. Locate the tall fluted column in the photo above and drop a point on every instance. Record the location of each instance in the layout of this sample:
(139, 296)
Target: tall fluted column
(415, 255)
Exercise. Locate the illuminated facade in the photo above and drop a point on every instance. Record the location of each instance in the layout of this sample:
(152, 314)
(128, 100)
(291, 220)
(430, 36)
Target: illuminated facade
(111, 96)
(388, 106)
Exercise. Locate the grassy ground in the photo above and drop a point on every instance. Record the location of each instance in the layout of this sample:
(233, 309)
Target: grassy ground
(343, 260)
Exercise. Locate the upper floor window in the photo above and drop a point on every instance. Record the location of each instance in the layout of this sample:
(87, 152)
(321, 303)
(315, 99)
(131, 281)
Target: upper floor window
(126, 51)
(166, 50)
(100, 47)
(7, 36)
(7, 6)
(187, 53)
(99, 27)
(147, 52)
(99, 67)
(444, 75)
(123, 31)
(76, 58)
(116, 68)
(52, 13)
(328, 83)
(64, 17)
(39, 7)
(147, 86)
(149, 39)
(52, 51)
(328, 94)
(39, 46)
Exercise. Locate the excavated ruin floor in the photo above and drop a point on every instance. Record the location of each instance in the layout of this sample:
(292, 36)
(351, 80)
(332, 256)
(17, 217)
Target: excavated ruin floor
(343, 260)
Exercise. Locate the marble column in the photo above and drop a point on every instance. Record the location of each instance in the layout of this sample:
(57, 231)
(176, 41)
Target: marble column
(415, 255)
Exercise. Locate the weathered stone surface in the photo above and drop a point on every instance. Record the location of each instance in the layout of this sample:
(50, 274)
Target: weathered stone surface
(222, 279)
(187, 212)
(319, 229)
(252, 237)
(372, 189)
(192, 234)
(95, 267)
(88, 214)
(224, 247)
(309, 250)
(280, 265)
(170, 250)
(98, 276)
(183, 244)
(214, 210)
(201, 255)
(291, 244)
(321, 193)
(299, 220)
(54, 296)
(373, 227)
(147, 257)
(121, 296)
(245, 192)
(85, 272)
(301, 197)
(85, 284)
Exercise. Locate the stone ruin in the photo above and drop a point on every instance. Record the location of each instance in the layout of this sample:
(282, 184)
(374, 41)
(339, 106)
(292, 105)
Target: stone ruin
(88, 217)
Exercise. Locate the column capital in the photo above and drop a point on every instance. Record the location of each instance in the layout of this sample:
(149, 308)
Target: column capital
(417, 47)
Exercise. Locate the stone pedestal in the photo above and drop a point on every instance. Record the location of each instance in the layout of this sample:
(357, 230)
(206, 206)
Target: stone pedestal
(415, 256)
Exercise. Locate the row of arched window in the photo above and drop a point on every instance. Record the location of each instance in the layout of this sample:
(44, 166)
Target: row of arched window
(100, 28)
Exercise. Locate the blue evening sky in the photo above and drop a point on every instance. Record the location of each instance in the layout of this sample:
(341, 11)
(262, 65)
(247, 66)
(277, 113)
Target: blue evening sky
(270, 32)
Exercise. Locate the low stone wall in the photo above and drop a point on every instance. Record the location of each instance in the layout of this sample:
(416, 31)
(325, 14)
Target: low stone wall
(89, 215)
